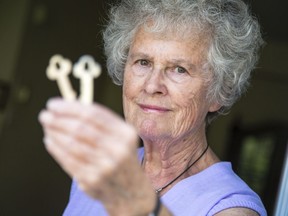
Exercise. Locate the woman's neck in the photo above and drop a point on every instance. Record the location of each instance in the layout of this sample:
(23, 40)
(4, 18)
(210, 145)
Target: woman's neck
(165, 160)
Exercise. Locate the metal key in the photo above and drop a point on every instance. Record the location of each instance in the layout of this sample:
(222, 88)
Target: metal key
(59, 69)
(86, 69)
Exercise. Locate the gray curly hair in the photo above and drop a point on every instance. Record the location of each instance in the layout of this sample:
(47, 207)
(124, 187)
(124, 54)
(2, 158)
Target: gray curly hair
(233, 52)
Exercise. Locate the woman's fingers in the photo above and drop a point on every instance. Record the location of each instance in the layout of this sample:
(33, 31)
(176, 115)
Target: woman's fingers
(94, 114)
(81, 161)
(114, 140)
(93, 145)
(86, 139)
(64, 159)
(71, 126)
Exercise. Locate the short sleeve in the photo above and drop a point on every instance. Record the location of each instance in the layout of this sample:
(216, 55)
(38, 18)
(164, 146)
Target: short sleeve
(238, 201)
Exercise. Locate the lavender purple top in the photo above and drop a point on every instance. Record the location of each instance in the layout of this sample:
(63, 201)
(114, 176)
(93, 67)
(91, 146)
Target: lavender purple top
(206, 193)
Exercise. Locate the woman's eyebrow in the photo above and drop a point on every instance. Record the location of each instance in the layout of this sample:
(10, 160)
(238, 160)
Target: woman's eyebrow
(139, 55)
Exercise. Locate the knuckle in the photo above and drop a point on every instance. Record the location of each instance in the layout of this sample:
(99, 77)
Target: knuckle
(92, 180)
(78, 127)
(88, 114)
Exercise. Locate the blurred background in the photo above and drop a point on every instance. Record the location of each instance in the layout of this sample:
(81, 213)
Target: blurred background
(253, 135)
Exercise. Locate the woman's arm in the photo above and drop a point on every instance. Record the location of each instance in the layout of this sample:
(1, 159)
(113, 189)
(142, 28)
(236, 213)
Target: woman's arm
(237, 212)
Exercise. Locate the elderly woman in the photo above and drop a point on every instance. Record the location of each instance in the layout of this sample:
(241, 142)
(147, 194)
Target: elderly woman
(181, 63)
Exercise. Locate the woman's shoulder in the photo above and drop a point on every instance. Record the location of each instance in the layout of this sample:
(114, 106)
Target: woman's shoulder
(232, 190)
(222, 174)
(213, 190)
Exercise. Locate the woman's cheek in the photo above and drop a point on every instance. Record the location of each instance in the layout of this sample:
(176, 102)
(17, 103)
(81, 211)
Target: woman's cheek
(184, 121)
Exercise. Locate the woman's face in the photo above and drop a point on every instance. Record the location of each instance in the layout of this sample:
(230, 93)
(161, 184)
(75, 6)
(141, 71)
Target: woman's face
(164, 89)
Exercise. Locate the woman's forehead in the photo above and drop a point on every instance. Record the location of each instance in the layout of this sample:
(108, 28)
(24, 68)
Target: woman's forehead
(195, 41)
(192, 33)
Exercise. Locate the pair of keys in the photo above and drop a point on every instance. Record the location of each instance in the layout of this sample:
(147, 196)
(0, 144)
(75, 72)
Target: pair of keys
(86, 69)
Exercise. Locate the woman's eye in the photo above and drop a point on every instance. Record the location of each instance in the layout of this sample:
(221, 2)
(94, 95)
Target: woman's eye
(180, 70)
(143, 62)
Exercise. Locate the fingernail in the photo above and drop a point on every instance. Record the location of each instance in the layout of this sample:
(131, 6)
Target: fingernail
(45, 117)
(46, 141)
(53, 103)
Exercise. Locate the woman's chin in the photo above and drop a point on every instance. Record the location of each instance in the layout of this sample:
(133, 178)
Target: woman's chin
(151, 130)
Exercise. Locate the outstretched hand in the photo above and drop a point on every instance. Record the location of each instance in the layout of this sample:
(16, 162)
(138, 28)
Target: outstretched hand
(98, 148)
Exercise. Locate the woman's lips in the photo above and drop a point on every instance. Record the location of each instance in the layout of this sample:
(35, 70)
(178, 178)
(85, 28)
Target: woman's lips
(153, 108)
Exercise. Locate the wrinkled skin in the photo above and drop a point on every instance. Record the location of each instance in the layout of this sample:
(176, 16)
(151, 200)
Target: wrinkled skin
(164, 97)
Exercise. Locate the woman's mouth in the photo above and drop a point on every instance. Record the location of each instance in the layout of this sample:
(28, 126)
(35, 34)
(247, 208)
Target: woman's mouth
(153, 108)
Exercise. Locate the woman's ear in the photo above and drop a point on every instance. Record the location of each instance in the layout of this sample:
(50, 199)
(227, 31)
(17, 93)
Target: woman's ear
(214, 107)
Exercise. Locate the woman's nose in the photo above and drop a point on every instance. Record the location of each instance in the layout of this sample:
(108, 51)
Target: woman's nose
(155, 83)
